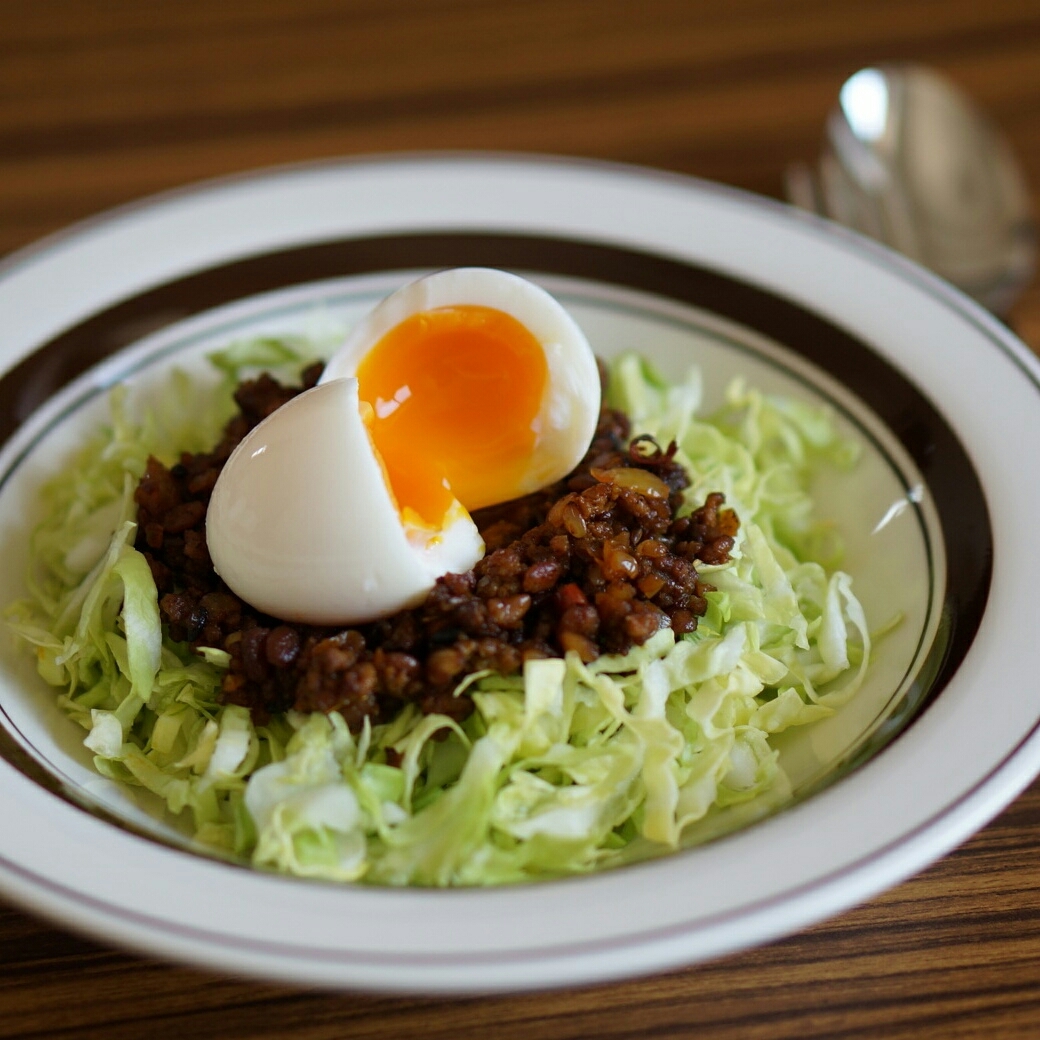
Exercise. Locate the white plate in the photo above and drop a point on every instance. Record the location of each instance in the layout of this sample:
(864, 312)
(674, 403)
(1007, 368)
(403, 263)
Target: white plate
(938, 521)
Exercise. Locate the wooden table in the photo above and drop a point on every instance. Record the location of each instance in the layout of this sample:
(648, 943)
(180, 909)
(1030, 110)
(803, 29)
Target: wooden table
(105, 102)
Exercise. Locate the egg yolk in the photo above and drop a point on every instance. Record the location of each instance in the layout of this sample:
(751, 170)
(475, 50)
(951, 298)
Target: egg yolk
(454, 395)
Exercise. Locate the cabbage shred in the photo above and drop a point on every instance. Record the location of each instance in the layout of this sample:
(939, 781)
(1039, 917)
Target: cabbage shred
(567, 768)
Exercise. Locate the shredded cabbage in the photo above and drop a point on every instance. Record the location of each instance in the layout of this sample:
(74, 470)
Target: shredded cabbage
(566, 768)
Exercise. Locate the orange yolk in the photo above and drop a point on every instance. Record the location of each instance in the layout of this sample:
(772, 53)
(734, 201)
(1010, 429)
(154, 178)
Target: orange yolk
(454, 394)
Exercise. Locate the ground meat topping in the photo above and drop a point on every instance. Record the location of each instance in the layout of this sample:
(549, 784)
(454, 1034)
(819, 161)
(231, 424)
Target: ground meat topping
(596, 563)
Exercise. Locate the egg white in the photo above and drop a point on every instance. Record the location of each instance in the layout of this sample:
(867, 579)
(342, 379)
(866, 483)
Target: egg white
(302, 526)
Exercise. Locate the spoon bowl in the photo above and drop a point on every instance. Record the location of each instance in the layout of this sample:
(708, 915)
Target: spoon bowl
(910, 160)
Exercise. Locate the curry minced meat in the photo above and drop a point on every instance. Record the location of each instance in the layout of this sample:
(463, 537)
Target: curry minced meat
(596, 563)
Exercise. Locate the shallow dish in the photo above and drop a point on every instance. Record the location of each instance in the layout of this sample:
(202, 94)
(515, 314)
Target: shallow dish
(936, 518)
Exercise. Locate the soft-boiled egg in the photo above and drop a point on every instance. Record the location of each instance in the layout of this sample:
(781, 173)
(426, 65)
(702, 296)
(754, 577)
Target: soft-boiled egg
(463, 389)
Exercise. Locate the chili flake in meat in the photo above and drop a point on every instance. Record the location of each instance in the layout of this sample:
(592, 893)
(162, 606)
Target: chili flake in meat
(596, 563)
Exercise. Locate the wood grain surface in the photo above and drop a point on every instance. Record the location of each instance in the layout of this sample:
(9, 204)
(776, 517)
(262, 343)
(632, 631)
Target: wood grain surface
(105, 102)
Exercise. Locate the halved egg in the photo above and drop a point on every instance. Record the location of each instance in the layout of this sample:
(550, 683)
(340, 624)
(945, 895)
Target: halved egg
(302, 525)
(463, 389)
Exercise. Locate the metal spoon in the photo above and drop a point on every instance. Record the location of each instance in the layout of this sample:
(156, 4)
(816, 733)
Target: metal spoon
(909, 160)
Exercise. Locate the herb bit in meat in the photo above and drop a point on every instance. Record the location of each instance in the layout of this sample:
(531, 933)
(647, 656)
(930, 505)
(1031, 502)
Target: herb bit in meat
(596, 563)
